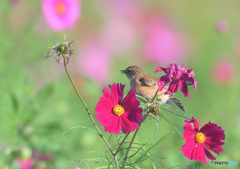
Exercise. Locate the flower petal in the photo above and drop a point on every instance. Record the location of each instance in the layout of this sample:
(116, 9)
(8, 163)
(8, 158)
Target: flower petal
(163, 81)
(189, 133)
(190, 73)
(187, 149)
(128, 125)
(173, 87)
(195, 123)
(104, 119)
(213, 130)
(114, 93)
(184, 88)
(120, 92)
(160, 69)
(198, 153)
(209, 155)
(104, 105)
(213, 147)
(130, 102)
(114, 126)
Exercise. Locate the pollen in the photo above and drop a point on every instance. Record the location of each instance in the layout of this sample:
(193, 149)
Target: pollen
(60, 8)
(200, 138)
(118, 110)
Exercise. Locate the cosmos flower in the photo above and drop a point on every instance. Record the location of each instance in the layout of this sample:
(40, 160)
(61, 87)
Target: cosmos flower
(116, 113)
(198, 142)
(94, 61)
(178, 76)
(24, 164)
(222, 26)
(223, 71)
(61, 14)
(118, 35)
(162, 44)
(61, 50)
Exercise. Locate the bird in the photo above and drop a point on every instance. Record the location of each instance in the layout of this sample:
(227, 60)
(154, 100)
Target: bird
(147, 86)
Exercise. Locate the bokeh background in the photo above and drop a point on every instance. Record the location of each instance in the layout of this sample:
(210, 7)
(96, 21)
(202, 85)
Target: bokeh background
(38, 104)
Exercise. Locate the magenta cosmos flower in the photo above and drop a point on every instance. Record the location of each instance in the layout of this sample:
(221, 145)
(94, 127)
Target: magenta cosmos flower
(116, 113)
(199, 141)
(178, 76)
(61, 14)
(24, 164)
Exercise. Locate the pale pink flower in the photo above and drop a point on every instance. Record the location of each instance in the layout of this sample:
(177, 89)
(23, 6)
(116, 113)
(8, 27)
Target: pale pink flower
(24, 164)
(118, 35)
(222, 26)
(162, 44)
(15, 2)
(94, 61)
(122, 9)
(61, 14)
(223, 71)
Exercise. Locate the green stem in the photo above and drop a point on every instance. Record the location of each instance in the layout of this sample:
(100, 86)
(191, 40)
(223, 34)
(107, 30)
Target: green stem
(121, 143)
(154, 96)
(129, 147)
(86, 108)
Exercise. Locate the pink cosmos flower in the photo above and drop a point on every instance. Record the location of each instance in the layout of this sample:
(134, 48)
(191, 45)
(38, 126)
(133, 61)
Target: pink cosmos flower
(116, 113)
(223, 71)
(178, 76)
(199, 141)
(222, 26)
(15, 2)
(162, 44)
(118, 35)
(61, 14)
(24, 164)
(94, 61)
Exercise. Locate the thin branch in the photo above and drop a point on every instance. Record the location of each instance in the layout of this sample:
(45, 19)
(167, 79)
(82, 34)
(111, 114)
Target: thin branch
(86, 108)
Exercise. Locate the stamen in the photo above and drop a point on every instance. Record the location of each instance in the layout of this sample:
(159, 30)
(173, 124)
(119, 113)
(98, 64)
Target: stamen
(118, 110)
(200, 138)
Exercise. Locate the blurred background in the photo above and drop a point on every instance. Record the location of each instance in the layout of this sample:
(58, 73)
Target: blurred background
(38, 104)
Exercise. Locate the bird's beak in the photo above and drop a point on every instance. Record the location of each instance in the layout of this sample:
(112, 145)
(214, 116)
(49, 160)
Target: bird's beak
(123, 71)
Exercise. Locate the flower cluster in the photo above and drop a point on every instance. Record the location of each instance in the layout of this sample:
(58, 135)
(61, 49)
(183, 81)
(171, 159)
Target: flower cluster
(117, 113)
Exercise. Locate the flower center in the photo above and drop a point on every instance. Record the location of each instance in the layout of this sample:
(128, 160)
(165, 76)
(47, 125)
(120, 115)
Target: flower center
(200, 138)
(118, 110)
(60, 8)
(62, 48)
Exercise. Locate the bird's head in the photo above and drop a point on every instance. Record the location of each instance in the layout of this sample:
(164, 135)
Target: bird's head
(132, 71)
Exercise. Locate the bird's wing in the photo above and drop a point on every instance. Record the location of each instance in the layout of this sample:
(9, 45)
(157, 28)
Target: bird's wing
(147, 81)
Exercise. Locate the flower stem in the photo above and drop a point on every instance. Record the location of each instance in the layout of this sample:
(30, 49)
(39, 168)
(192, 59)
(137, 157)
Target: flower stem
(154, 96)
(125, 159)
(86, 108)
(121, 143)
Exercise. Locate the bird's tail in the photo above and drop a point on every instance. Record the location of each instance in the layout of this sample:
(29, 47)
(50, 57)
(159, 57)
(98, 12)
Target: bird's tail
(175, 102)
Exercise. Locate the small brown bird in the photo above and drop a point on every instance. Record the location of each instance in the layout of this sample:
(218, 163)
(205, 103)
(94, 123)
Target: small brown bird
(147, 86)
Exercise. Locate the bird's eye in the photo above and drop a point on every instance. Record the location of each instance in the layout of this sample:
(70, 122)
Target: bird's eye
(129, 71)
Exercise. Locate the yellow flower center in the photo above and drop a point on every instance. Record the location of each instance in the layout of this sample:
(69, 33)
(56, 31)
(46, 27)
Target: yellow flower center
(118, 110)
(200, 138)
(60, 8)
